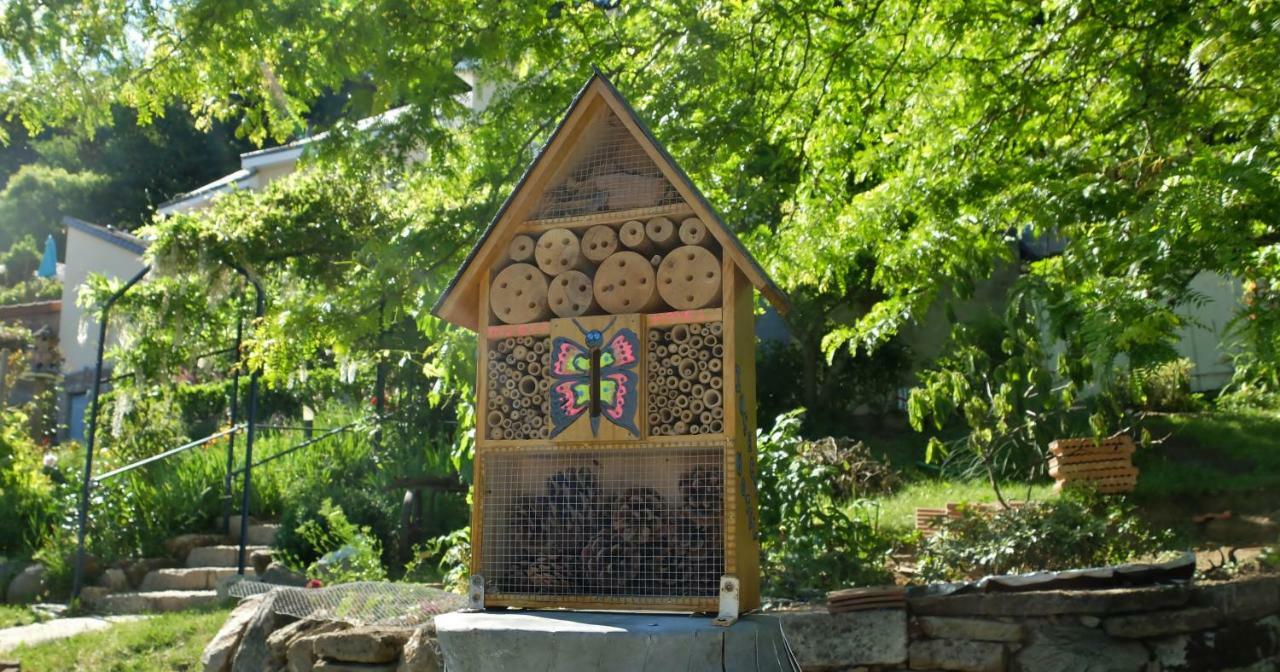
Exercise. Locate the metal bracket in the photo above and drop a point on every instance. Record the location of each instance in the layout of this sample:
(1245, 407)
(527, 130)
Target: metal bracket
(730, 590)
(475, 593)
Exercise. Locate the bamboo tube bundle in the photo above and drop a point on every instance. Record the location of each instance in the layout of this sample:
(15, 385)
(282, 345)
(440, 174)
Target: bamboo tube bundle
(519, 294)
(685, 384)
(518, 405)
(625, 283)
(559, 250)
(689, 278)
(599, 242)
(571, 294)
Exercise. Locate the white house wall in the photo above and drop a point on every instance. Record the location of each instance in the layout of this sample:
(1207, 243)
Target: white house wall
(78, 329)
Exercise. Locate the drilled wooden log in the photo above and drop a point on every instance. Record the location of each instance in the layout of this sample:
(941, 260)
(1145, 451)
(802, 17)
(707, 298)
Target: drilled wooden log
(624, 283)
(632, 236)
(571, 295)
(520, 249)
(599, 242)
(662, 233)
(689, 278)
(518, 294)
(558, 250)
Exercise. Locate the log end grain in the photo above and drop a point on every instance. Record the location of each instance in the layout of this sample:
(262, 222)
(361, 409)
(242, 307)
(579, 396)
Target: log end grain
(518, 294)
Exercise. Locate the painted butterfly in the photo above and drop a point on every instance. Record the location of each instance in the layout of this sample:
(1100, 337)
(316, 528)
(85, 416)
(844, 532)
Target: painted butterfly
(595, 379)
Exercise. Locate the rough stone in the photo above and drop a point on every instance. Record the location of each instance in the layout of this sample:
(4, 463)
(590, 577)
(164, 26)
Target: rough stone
(363, 645)
(28, 586)
(956, 654)
(820, 639)
(1051, 602)
(339, 666)
(252, 654)
(301, 655)
(1072, 648)
(280, 575)
(220, 650)
(261, 561)
(1244, 600)
(942, 627)
(278, 642)
(422, 652)
(1162, 623)
(181, 545)
(1090, 621)
(138, 569)
(1234, 645)
(114, 580)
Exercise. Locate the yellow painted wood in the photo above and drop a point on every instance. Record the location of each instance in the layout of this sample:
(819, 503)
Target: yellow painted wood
(606, 431)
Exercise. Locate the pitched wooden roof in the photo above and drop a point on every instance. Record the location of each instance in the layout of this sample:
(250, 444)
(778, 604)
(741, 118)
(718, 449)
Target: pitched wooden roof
(460, 302)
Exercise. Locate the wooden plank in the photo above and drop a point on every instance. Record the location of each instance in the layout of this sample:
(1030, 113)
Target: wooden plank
(672, 443)
(603, 603)
(498, 331)
(702, 315)
(740, 404)
(868, 591)
(617, 217)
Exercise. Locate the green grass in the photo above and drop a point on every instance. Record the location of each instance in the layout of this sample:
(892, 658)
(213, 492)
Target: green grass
(161, 644)
(898, 510)
(1210, 453)
(12, 615)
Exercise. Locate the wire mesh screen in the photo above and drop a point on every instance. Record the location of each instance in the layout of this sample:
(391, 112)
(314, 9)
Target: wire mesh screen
(686, 379)
(610, 524)
(518, 379)
(359, 603)
(612, 173)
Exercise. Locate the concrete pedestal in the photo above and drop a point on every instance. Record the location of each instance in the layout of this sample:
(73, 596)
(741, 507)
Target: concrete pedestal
(555, 641)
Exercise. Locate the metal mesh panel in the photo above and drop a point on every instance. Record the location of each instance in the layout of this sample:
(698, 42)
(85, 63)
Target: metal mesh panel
(633, 523)
(359, 603)
(685, 368)
(613, 173)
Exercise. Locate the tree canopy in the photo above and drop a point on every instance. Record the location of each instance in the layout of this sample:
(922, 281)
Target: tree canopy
(880, 158)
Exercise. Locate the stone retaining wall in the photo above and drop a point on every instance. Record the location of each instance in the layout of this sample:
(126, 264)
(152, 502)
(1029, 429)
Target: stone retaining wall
(1212, 627)
(1218, 627)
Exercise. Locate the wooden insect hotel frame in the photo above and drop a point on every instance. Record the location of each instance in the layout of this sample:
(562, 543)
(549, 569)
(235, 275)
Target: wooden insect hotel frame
(615, 456)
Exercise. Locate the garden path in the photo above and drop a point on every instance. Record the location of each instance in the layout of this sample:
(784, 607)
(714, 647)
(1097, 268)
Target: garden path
(58, 628)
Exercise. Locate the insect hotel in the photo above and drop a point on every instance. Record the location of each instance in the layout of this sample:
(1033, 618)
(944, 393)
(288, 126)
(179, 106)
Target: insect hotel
(615, 457)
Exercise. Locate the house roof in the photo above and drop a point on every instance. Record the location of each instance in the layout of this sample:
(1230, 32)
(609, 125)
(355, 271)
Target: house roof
(116, 237)
(459, 302)
(224, 183)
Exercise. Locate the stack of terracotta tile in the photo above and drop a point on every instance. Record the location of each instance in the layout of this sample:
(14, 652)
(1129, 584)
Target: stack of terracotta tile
(930, 520)
(1107, 465)
(865, 599)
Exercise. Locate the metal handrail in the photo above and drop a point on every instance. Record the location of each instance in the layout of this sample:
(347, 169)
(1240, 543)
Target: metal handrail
(83, 514)
(172, 451)
(300, 446)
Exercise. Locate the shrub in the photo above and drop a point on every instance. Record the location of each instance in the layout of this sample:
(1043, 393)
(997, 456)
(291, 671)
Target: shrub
(451, 555)
(358, 553)
(28, 506)
(1075, 531)
(1163, 387)
(811, 543)
(853, 470)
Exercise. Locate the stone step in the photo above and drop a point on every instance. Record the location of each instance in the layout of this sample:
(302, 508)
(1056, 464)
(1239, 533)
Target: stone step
(220, 556)
(188, 578)
(259, 533)
(263, 534)
(155, 602)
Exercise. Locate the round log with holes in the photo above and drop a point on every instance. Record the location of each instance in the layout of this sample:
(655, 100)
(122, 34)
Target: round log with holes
(632, 236)
(693, 232)
(571, 295)
(520, 248)
(662, 233)
(599, 242)
(558, 250)
(625, 283)
(689, 278)
(518, 294)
